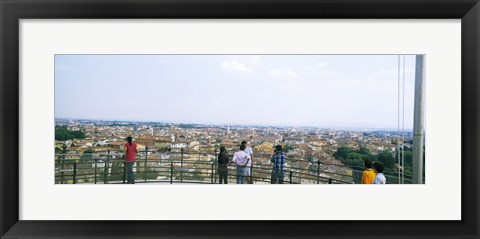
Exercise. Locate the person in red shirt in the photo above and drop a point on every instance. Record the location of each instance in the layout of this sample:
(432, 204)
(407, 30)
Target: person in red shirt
(129, 149)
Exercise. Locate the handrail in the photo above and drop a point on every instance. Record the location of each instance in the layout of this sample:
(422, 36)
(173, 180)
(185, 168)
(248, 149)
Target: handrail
(68, 169)
(144, 153)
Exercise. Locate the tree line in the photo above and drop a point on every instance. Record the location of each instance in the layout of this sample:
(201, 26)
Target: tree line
(63, 133)
(351, 157)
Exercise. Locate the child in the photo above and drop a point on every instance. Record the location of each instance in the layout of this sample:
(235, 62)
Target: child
(368, 174)
(378, 167)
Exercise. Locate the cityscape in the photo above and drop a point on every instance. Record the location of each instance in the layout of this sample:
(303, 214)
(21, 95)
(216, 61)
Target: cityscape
(325, 115)
(309, 150)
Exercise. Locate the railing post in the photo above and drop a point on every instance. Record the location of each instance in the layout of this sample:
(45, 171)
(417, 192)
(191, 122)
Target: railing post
(211, 180)
(105, 172)
(329, 181)
(144, 170)
(251, 174)
(95, 176)
(124, 171)
(215, 156)
(75, 173)
(290, 176)
(181, 165)
(63, 169)
(145, 166)
(105, 168)
(318, 172)
(215, 172)
(64, 152)
(171, 172)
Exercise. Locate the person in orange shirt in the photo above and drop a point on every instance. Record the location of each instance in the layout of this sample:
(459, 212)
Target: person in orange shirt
(368, 174)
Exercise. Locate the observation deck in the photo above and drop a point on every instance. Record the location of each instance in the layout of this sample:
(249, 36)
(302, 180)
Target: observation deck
(109, 167)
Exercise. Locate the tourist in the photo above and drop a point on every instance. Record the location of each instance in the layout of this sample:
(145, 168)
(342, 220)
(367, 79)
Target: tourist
(129, 149)
(240, 158)
(378, 167)
(222, 165)
(278, 160)
(248, 169)
(368, 174)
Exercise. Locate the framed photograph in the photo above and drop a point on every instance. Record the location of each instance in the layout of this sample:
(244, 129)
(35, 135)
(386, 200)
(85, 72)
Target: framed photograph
(239, 119)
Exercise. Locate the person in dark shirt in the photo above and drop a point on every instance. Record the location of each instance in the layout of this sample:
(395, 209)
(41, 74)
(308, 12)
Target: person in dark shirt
(278, 171)
(222, 165)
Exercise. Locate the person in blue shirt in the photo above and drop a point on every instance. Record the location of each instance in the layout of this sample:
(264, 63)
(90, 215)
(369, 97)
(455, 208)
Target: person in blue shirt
(278, 170)
(378, 167)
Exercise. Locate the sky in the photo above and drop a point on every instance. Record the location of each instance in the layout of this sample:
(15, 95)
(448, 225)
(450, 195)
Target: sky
(355, 91)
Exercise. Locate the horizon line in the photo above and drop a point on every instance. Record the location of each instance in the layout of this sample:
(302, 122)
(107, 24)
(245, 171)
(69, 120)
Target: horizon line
(239, 124)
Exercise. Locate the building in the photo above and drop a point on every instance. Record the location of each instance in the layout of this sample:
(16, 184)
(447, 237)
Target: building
(294, 140)
(163, 142)
(266, 147)
(146, 140)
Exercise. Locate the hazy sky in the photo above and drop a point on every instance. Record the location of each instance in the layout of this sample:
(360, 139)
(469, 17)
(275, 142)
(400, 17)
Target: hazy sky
(308, 90)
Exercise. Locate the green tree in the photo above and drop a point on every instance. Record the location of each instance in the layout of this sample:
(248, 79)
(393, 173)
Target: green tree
(364, 151)
(342, 152)
(386, 158)
(354, 156)
(408, 156)
(351, 157)
(62, 133)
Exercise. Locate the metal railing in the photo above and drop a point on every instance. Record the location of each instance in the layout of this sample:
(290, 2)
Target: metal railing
(192, 167)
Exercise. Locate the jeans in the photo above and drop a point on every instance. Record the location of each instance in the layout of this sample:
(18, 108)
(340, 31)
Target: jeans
(131, 176)
(223, 174)
(277, 174)
(241, 174)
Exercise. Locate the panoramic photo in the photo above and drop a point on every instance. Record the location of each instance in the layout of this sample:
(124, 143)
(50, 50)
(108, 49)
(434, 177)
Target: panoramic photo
(239, 119)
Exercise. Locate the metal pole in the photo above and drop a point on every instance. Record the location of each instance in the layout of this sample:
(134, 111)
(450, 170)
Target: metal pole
(63, 169)
(318, 172)
(403, 123)
(124, 171)
(216, 166)
(145, 165)
(105, 168)
(181, 165)
(398, 160)
(215, 173)
(105, 171)
(398, 122)
(95, 177)
(171, 172)
(211, 180)
(251, 174)
(75, 173)
(418, 120)
(64, 151)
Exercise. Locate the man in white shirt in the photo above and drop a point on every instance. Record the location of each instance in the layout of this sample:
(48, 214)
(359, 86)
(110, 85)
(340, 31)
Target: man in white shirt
(241, 159)
(249, 167)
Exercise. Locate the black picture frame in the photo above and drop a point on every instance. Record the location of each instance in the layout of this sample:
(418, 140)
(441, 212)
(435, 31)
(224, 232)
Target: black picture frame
(13, 10)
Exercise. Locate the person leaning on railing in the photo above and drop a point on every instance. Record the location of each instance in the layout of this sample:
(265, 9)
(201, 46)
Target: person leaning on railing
(129, 149)
(278, 160)
(248, 169)
(240, 158)
(368, 174)
(222, 165)
(378, 168)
